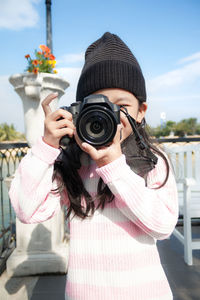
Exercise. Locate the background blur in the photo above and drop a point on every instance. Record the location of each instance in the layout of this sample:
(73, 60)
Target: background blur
(163, 35)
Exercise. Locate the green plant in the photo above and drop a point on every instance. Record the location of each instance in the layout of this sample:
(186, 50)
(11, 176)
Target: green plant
(44, 61)
(9, 133)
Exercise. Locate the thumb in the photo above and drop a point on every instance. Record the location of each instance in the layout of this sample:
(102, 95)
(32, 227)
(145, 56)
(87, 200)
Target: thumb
(118, 135)
(90, 150)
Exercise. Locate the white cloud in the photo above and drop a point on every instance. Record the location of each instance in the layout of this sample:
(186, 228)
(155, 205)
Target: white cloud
(71, 58)
(18, 15)
(176, 92)
(195, 56)
(71, 75)
(176, 78)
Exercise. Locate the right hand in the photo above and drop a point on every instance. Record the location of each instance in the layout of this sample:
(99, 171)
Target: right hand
(55, 129)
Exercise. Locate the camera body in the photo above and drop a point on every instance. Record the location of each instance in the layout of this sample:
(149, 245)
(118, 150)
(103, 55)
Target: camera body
(96, 120)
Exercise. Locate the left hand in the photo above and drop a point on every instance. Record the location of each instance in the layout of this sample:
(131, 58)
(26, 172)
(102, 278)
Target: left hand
(105, 154)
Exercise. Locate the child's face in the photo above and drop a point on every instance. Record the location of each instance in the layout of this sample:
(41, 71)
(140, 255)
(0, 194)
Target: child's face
(123, 97)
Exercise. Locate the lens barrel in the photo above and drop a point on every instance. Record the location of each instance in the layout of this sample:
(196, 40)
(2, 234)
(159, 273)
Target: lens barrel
(96, 125)
(96, 120)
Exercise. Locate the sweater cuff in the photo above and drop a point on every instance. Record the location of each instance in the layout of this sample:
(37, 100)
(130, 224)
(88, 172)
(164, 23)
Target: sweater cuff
(45, 152)
(113, 170)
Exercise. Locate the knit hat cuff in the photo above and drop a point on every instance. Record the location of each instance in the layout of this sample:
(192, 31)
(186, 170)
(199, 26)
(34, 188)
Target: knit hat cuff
(111, 74)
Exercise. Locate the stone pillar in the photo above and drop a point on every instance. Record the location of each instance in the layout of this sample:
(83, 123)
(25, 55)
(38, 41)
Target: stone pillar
(40, 248)
(32, 90)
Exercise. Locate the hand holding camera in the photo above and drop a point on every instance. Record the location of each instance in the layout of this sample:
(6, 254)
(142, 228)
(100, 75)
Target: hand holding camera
(57, 124)
(97, 122)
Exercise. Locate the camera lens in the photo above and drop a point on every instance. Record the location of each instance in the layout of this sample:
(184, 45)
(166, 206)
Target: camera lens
(96, 126)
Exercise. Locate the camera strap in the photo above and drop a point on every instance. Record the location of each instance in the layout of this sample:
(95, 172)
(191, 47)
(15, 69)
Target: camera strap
(144, 155)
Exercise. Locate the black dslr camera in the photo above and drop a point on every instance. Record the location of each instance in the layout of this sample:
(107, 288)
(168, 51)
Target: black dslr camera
(96, 120)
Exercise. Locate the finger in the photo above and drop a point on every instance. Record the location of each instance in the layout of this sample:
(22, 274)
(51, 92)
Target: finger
(65, 123)
(45, 103)
(85, 146)
(118, 135)
(64, 131)
(61, 113)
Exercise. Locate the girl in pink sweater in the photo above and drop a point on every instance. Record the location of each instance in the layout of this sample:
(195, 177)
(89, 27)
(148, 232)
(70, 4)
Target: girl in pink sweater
(118, 188)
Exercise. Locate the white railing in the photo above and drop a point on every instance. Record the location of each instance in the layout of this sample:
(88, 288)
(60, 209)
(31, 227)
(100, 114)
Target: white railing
(186, 164)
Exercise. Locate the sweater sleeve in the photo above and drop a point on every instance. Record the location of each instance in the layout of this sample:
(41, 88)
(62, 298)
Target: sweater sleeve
(155, 211)
(31, 192)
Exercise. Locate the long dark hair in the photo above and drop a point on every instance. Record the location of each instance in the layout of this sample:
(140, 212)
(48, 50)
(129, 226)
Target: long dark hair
(68, 163)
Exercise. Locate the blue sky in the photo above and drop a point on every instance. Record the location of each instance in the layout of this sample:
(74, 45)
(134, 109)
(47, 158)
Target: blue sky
(163, 35)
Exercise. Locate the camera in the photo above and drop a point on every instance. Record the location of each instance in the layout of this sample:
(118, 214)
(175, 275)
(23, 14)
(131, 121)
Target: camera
(96, 120)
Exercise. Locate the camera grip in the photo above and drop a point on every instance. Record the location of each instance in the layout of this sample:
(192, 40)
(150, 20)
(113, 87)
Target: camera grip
(65, 140)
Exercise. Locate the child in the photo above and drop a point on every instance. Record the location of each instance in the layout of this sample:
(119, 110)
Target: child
(120, 199)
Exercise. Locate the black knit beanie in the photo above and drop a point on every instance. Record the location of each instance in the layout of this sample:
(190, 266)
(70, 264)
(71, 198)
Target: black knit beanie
(109, 63)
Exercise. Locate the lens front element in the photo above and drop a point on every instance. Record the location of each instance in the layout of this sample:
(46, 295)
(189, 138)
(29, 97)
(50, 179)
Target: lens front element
(96, 126)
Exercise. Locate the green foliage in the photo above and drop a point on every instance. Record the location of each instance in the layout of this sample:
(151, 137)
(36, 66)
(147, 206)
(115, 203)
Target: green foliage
(183, 128)
(198, 129)
(9, 133)
(44, 61)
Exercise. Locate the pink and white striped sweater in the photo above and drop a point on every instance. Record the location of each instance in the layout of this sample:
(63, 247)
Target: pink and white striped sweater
(113, 254)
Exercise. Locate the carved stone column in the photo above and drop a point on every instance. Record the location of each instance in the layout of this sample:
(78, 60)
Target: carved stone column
(41, 248)
(32, 90)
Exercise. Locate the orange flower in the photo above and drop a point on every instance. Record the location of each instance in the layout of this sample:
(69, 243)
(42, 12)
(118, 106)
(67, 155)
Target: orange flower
(44, 61)
(45, 48)
(52, 57)
(35, 70)
(46, 55)
(35, 62)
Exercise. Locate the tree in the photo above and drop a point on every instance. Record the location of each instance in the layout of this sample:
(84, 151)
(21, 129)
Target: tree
(163, 131)
(184, 127)
(198, 129)
(9, 133)
(181, 129)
